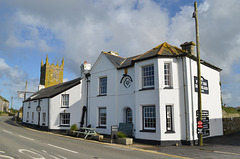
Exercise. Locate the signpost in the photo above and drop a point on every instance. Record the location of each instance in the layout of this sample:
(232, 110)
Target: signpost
(203, 125)
(114, 130)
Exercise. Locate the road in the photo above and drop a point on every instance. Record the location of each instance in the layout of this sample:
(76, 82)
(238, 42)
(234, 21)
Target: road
(17, 142)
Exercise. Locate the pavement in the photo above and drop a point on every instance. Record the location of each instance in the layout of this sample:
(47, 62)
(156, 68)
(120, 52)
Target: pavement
(214, 147)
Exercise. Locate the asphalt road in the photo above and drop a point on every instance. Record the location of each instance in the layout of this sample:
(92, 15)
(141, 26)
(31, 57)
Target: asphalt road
(17, 142)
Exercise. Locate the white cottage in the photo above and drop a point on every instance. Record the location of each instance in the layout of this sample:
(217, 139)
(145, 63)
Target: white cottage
(56, 107)
(155, 91)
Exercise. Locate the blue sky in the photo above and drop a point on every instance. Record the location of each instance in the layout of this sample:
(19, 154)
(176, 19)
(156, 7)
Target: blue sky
(80, 30)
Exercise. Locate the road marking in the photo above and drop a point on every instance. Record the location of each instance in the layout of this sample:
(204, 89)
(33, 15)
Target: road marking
(61, 156)
(26, 137)
(102, 143)
(118, 148)
(229, 153)
(62, 148)
(7, 131)
(4, 156)
(2, 152)
(31, 154)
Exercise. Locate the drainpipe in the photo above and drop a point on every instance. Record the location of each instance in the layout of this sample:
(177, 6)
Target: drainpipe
(185, 100)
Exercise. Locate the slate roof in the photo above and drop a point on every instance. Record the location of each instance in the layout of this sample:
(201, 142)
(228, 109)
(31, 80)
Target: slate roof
(3, 99)
(162, 50)
(54, 90)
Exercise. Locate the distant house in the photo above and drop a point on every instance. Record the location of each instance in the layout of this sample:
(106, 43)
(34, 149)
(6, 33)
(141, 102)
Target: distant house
(155, 91)
(56, 107)
(4, 104)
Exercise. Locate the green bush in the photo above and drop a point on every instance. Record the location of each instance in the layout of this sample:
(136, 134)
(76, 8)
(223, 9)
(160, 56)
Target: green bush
(121, 134)
(74, 127)
(230, 110)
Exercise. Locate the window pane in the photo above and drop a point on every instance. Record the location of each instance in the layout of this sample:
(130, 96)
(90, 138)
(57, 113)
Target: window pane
(65, 100)
(167, 74)
(149, 118)
(169, 118)
(148, 76)
(103, 86)
(102, 117)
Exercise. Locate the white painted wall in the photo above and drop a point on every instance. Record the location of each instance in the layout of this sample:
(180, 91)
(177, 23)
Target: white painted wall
(76, 102)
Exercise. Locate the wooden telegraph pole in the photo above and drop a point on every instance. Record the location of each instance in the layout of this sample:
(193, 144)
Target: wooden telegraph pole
(195, 15)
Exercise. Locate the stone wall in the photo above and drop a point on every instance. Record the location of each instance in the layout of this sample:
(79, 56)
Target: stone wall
(231, 123)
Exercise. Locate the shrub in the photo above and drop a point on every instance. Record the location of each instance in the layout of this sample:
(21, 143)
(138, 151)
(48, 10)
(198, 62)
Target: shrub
(121, 134)
(74, 127)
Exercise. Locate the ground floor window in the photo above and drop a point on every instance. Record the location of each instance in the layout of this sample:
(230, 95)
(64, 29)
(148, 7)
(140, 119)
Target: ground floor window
(65, 119)
(149, 118)
(169, 123)
(32, 117)
(128, 115)
(102, 117)
(43, 118)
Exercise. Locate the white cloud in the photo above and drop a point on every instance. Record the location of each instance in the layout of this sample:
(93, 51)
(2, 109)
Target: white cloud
(129, 27)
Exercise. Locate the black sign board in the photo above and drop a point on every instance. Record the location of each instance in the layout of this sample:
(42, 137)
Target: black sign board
(127, 128)
(205, 126)
(204, 119)
(205, 113)
(204, 85)
(206, 132)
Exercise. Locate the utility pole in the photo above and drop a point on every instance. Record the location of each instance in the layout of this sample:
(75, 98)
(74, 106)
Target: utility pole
(195, 15)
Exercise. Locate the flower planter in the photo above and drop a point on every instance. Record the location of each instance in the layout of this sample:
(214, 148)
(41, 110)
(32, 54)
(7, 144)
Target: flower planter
(71, 133)
(125, 141)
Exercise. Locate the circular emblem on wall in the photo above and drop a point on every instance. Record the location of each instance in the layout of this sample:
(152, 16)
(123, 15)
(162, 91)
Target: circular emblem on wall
(126, 81)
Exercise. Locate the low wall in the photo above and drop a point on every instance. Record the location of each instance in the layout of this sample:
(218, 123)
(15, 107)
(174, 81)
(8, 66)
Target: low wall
(231, 123)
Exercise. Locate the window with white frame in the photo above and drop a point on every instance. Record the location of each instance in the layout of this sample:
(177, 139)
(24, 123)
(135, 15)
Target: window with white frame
(44, 118)
(148, 76)
(129, 115)
(102, 117)
(167, 75)
(103, 86)
(27, 116)
(149, 118)
(64, 119)
(169, 117)
(65, 100)
(32, 117)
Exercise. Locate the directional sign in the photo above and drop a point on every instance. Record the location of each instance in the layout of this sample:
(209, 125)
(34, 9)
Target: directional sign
(204, 113)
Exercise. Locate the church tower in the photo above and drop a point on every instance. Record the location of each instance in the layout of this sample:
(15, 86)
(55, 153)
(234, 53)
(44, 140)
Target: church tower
(51, 74)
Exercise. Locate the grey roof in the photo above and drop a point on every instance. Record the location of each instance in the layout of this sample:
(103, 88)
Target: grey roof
(54, 90)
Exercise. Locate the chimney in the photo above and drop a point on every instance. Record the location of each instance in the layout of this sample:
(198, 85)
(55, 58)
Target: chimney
(113, 53)
(189, 47)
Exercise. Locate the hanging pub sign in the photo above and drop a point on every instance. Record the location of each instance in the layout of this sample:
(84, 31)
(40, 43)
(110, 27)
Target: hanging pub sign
(204, 85)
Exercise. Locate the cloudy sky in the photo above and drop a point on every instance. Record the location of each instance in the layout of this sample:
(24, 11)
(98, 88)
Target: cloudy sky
(79, 30)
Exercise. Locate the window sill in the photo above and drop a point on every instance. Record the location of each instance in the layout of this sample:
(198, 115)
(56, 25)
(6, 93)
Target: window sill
(169, 132)
(144, 89)
(102, 127)
(151, 131)
(168, 88)
(101, 95)
(64, 126)
(64, 107)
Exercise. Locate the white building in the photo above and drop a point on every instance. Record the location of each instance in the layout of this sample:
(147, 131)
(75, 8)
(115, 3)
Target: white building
(57, 107)
(156, 92)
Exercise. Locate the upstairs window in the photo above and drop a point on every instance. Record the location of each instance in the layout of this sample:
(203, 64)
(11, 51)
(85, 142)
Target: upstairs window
(65, 100)
(103, 86)
(167, 75)
(148, 76)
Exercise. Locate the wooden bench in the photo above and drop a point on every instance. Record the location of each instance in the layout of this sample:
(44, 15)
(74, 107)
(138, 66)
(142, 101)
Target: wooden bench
(86, 131)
